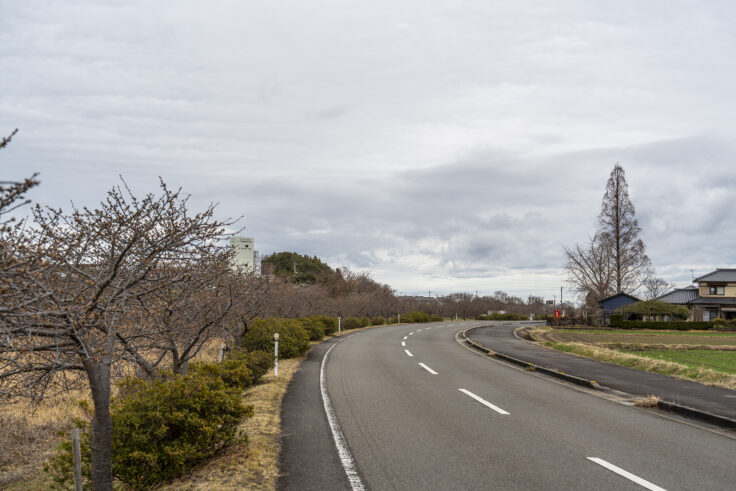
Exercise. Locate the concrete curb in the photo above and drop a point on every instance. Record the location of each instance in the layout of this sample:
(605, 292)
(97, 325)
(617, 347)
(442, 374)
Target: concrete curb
(592, 384)
(705, 416)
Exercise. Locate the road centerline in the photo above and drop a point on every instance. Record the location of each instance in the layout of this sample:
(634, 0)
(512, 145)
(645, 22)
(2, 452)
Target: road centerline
(427, 368)
(408, 352)
(483, 401)
(628, 475)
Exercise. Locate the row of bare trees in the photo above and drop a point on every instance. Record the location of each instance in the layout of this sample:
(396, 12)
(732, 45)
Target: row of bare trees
(131, 284)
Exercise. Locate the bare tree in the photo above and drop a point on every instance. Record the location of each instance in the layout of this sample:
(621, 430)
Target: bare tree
(655, 287)
(97, 264)
(620, 234)
(190, 308)
(590, 269)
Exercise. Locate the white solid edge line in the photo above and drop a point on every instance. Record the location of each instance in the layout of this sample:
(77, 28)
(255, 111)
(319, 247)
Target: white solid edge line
(348, 463)
(403, 343)
(483, 401)
(427, 368)
(408, 352)
(628, 475)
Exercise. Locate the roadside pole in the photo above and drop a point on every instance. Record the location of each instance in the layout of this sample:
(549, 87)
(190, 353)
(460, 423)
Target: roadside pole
(398, 319)
(339, 324)
(276, 354)
(77, 456)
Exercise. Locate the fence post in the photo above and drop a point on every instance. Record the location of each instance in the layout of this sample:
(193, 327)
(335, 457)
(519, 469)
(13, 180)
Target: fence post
(76, 451)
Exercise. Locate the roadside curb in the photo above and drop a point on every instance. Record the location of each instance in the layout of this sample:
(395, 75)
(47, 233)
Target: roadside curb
(592, 384)
(705, 416)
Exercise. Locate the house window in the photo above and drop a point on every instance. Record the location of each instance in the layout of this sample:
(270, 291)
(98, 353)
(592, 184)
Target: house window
(709, 315)
(717, 290)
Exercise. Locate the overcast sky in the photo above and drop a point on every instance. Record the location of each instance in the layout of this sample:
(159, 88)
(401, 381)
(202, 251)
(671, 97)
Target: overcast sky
(444, 145)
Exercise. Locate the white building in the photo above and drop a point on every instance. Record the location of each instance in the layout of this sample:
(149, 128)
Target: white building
(244, 254)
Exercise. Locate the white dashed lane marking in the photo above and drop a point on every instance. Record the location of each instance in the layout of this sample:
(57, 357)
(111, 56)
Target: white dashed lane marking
(483, 401)
(427, 368)
(408, 352)
(628, 475)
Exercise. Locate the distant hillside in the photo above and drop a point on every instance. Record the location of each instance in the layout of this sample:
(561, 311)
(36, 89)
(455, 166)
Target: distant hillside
(295, 267)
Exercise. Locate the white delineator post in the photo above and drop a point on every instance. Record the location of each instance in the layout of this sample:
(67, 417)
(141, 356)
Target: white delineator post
(339, 324)
(398, 319)
(276, 354)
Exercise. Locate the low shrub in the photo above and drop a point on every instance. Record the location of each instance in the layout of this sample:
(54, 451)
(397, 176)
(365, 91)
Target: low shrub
(502, 317)
(259, 362)
(162, 428)
(616, 320)
(239, 369)
(393, 320)
(351, 323)
(328, 323)
(668, 325)
(314, 328)
(233, 373)
(378, 320)
(365, 321)
(293, 340)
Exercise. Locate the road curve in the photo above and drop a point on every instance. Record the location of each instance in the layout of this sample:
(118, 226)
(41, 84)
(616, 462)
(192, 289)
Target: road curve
(446, 418)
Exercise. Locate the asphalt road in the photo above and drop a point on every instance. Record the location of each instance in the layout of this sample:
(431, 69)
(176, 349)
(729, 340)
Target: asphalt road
(692, 394)
(410, 426)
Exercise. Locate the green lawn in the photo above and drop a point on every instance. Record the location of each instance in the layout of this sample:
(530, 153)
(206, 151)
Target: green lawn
(722, 361)
(653, 332)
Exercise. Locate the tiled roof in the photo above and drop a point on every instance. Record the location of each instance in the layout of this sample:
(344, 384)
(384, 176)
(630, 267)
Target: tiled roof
(679, 296)
(719, 275)
(713, 301)
(622, 294)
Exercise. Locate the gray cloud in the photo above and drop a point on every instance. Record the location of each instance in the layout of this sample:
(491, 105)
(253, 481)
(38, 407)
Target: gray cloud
(440, 145)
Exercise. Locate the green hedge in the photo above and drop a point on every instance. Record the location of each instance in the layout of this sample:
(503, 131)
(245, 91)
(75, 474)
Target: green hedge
(616, 320)
(378, 320)
(502, 317)
(162, 428)
(351, 323)
(293, 340)
(671, 325)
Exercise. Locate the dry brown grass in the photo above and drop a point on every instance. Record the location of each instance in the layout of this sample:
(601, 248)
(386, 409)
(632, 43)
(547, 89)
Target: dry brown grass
(648, 401)
(30, 434)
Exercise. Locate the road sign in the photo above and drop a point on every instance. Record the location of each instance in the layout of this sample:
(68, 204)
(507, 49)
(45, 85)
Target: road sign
(557, 314)
(550, 302)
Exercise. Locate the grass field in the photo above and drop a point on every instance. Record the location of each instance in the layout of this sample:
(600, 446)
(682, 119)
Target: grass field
(722, 361)
(655, 332)
(703, 356)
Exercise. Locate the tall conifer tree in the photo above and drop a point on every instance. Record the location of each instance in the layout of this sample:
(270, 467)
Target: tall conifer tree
(619, 233)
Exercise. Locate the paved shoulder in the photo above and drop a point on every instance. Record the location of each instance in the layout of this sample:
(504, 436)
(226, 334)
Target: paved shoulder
(692, 394)
(308, 458)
